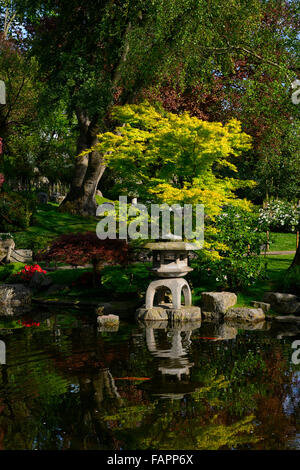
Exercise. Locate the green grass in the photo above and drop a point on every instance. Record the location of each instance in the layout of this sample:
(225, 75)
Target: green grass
(67, 276)
(49, 223)
(276, 267)
(282, 241)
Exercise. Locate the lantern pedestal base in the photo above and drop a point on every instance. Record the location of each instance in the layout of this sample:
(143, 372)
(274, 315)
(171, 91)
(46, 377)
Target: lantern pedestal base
(168, 312)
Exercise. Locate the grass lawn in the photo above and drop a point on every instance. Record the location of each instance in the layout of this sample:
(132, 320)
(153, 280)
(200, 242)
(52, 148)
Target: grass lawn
(50, 223)
(282, 241)
(276, 266)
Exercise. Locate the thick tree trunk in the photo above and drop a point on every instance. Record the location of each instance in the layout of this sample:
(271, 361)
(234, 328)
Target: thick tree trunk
(296, 260)
(88, 170)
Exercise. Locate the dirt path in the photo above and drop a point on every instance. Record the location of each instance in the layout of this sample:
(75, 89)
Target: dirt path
(279, 253)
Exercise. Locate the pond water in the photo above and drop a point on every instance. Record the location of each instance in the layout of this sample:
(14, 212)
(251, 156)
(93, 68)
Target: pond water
(64, 384)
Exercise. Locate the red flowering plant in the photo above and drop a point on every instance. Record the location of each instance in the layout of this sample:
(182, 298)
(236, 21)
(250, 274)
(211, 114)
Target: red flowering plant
(28, 323)
(28, 271)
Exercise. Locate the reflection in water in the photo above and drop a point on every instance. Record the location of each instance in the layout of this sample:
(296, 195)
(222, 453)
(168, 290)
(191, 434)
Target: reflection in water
(172, 358)
(193, 386)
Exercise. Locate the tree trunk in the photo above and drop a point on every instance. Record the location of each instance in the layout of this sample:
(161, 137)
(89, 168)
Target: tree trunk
(88, 170)
(296, 260)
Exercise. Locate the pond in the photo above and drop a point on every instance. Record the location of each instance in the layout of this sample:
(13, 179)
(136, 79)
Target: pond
(65, 384)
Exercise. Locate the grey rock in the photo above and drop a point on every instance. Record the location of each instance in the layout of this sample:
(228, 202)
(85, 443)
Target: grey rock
(155, 313)
(14, 295)
(288, 308)
(212, 316)
(263, 305)
(278, 297)
(21, 256)
(6, 247)
(245, 314)
(217, 302)
(40, 281)
(108, 321)
(8, 311)
(166, 312)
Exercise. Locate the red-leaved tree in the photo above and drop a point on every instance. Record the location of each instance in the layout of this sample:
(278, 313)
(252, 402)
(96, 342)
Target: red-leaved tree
(80, 248)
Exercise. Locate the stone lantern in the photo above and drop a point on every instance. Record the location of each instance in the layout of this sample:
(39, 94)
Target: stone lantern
(170, 265)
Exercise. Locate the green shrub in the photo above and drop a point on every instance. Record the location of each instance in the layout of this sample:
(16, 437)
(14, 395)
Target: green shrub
(134, 278)
(31, 241)
(7, 271)
(240, 265)
(16, 211)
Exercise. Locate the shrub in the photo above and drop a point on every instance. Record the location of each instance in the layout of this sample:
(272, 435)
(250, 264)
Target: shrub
(27, 272)
(81, 248)
(239, 265)
(7, 271)
(16, 211)
(279, 216)
(134, 278)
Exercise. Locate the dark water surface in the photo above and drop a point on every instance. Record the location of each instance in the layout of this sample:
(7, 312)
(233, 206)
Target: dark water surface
(67, 385)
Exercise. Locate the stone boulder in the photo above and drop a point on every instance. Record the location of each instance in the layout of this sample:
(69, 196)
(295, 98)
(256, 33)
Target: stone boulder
(287, 308)
(8, 311)
(167, 312)
(217, 303)
(108, 322)
(14, 295)
(6, 247)
(278, 297)
(21, 256)
(263, 305)
(282, 303)
(245, 314)
(40, 281)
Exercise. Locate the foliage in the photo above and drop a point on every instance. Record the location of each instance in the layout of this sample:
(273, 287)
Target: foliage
(7, 272)
(171, 156)
(134, 278)
(239, 265)
(81, 248)
(16, 211)
(27, 272)
(280, 216)
(239, 57)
